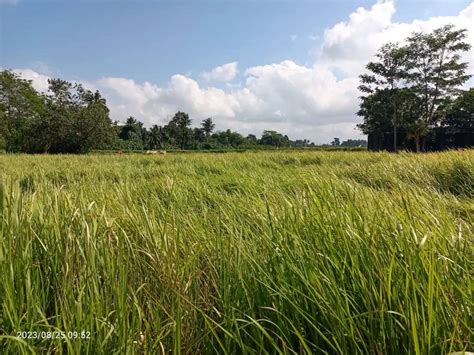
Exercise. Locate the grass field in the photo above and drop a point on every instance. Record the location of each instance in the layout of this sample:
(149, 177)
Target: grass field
(265, 252)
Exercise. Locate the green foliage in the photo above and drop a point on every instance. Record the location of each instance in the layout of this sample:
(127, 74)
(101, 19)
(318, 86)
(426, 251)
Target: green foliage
(155, 138)
(133, 134)
(177, 134)
(68, 119)
(275, 139)
(354, 143)
(208, 126)
(179, 129)
(259, 252)
(21, 107)
(71, 119)
(460, 114)
(411, 86)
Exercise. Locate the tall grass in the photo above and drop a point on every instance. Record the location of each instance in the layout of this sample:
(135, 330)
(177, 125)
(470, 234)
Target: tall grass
(259, 252)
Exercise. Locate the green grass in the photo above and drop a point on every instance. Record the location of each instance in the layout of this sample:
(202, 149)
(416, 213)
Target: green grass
(257, 252)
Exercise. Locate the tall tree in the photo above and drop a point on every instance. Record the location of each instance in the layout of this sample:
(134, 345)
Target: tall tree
(208, 126)
(275, 139)
(92, 126)
(387, 74)
(133, 133)
(20, 106)
(77, 120)
(252, 139)
(436, 73)
(180, 126)
(155, 137)
(377, 110)
(199, 135)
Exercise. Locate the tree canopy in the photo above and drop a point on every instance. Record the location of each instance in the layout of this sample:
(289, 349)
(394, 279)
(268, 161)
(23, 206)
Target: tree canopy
(70, 119)
(67, 119)
(410, 87)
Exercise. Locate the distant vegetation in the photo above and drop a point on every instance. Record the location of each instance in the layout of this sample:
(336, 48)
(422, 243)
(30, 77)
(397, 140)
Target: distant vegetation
(71, 119)
(178, 134)
(412, 100)
(413, 97)
(259, 252)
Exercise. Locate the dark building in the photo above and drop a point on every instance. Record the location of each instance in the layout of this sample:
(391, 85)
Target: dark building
(439, 138)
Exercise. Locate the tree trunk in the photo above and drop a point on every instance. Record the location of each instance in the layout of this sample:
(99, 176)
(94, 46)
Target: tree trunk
(417, 144)
(395, 147)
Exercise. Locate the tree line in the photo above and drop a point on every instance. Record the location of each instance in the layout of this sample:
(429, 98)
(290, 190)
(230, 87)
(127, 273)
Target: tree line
(412, 97)
(178, 133)
(70, 119)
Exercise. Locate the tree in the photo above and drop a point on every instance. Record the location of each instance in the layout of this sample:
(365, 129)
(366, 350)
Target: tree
(51, 133)
(336, 142)
(435, 73)
(208, 126)
(377, 110)
(252, 139)
(77, 120)
(386, 75)
(299, 143)
(460, 113)
(275, 139)
(20, 107)
(229, 138)
(413, 84)
(179, 129)
(354, 143)
(155, 138)
(199, 136)
(133, 133)
(68, 119)
(92, 124)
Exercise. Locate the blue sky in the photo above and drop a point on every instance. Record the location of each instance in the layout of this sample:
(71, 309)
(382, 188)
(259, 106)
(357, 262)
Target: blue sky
(150, 42)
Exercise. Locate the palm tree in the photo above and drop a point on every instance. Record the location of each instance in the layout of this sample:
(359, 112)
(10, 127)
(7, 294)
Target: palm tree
(208, 126)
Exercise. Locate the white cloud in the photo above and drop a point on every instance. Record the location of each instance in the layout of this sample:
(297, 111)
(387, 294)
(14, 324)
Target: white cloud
(283, 92)
(39, 81)
(223, 73)
(283, 96)
(307, 95)
(293, 37)
(153, 104)
(349, 45)
(301, 101)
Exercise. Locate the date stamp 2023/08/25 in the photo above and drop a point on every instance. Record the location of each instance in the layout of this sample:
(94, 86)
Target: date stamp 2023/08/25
(56, 334)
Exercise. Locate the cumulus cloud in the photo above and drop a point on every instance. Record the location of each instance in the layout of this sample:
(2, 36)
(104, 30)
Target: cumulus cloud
(301, 94)
(301, 101)
(39, 81)
(223, 73)
(282, 92)
(349, 45)
(153, 104)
